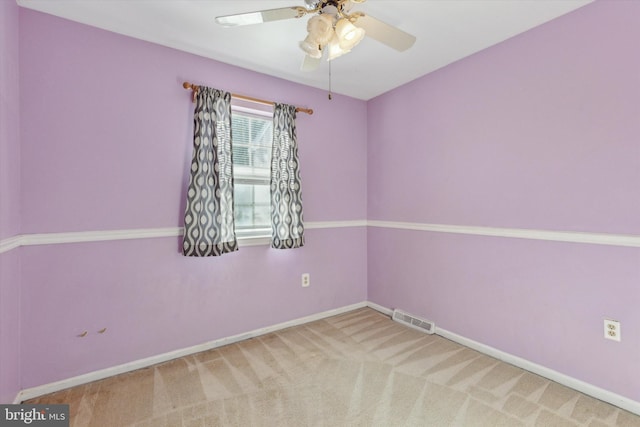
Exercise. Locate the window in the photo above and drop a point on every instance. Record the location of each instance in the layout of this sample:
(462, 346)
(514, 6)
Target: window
(252, 139)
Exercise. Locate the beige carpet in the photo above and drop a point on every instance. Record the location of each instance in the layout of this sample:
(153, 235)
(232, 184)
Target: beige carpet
(355, 369)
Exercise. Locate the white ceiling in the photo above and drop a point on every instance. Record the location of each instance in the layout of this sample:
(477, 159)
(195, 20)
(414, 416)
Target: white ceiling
(446, 31)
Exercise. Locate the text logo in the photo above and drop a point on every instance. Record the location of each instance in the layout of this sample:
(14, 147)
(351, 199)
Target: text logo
(34, 415)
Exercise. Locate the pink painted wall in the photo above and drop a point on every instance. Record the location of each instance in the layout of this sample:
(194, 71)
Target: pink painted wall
(108, 148)
(9, 202)
(9, 122)
(152, 300)
(113, 134)
(539, 132)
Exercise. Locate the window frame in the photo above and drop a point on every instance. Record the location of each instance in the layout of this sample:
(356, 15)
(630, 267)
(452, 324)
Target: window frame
(261, 235)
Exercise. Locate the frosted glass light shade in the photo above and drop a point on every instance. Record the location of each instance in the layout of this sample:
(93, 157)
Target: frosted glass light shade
(334, 49)
(320, 27)
(310, 47)
(348, 34)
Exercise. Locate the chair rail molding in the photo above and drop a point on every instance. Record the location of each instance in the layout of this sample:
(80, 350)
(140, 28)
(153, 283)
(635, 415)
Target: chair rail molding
(628, 240)
(142, 233)
(625, 240)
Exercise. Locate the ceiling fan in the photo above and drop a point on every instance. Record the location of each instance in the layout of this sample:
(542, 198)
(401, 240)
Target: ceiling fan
(332, 28)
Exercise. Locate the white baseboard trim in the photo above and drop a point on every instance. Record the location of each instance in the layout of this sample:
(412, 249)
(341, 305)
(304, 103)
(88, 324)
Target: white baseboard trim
(41, 390)
(576, 384)
(384, 310)
(581, 386)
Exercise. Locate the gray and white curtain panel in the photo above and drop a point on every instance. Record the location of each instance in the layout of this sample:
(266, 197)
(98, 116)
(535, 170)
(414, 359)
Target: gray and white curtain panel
(209, 228)
(286, 198)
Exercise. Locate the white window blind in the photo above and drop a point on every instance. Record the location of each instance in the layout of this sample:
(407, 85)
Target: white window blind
(252, 138)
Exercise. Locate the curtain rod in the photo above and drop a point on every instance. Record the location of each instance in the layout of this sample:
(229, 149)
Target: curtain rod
(195, 88)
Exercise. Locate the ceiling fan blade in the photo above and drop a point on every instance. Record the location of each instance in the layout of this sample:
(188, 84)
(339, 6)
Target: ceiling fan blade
(385, 33)
(310, 64)
(261, 16)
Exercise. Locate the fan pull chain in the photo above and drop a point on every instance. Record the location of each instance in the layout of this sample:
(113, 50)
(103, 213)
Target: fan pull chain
(329, 80)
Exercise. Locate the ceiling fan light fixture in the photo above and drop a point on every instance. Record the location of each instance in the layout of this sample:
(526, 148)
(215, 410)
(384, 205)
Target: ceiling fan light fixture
(320, 27)
(334, 49)
(311, 47)
(348, 34)
(311, 4)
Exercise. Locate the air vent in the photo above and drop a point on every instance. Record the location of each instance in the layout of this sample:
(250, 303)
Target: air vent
(414, 322)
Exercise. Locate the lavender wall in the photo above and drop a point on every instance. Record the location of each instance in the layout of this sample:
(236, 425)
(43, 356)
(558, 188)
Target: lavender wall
(9, 202)
(9, 122)
(539, 132)
(106, 143)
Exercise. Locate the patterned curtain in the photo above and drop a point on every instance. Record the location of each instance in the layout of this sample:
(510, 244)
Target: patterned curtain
(287, 229)
(209, 228)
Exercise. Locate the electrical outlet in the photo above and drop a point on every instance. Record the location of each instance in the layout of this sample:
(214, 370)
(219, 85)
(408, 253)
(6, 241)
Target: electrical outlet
(306, 280)
(612, 330)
